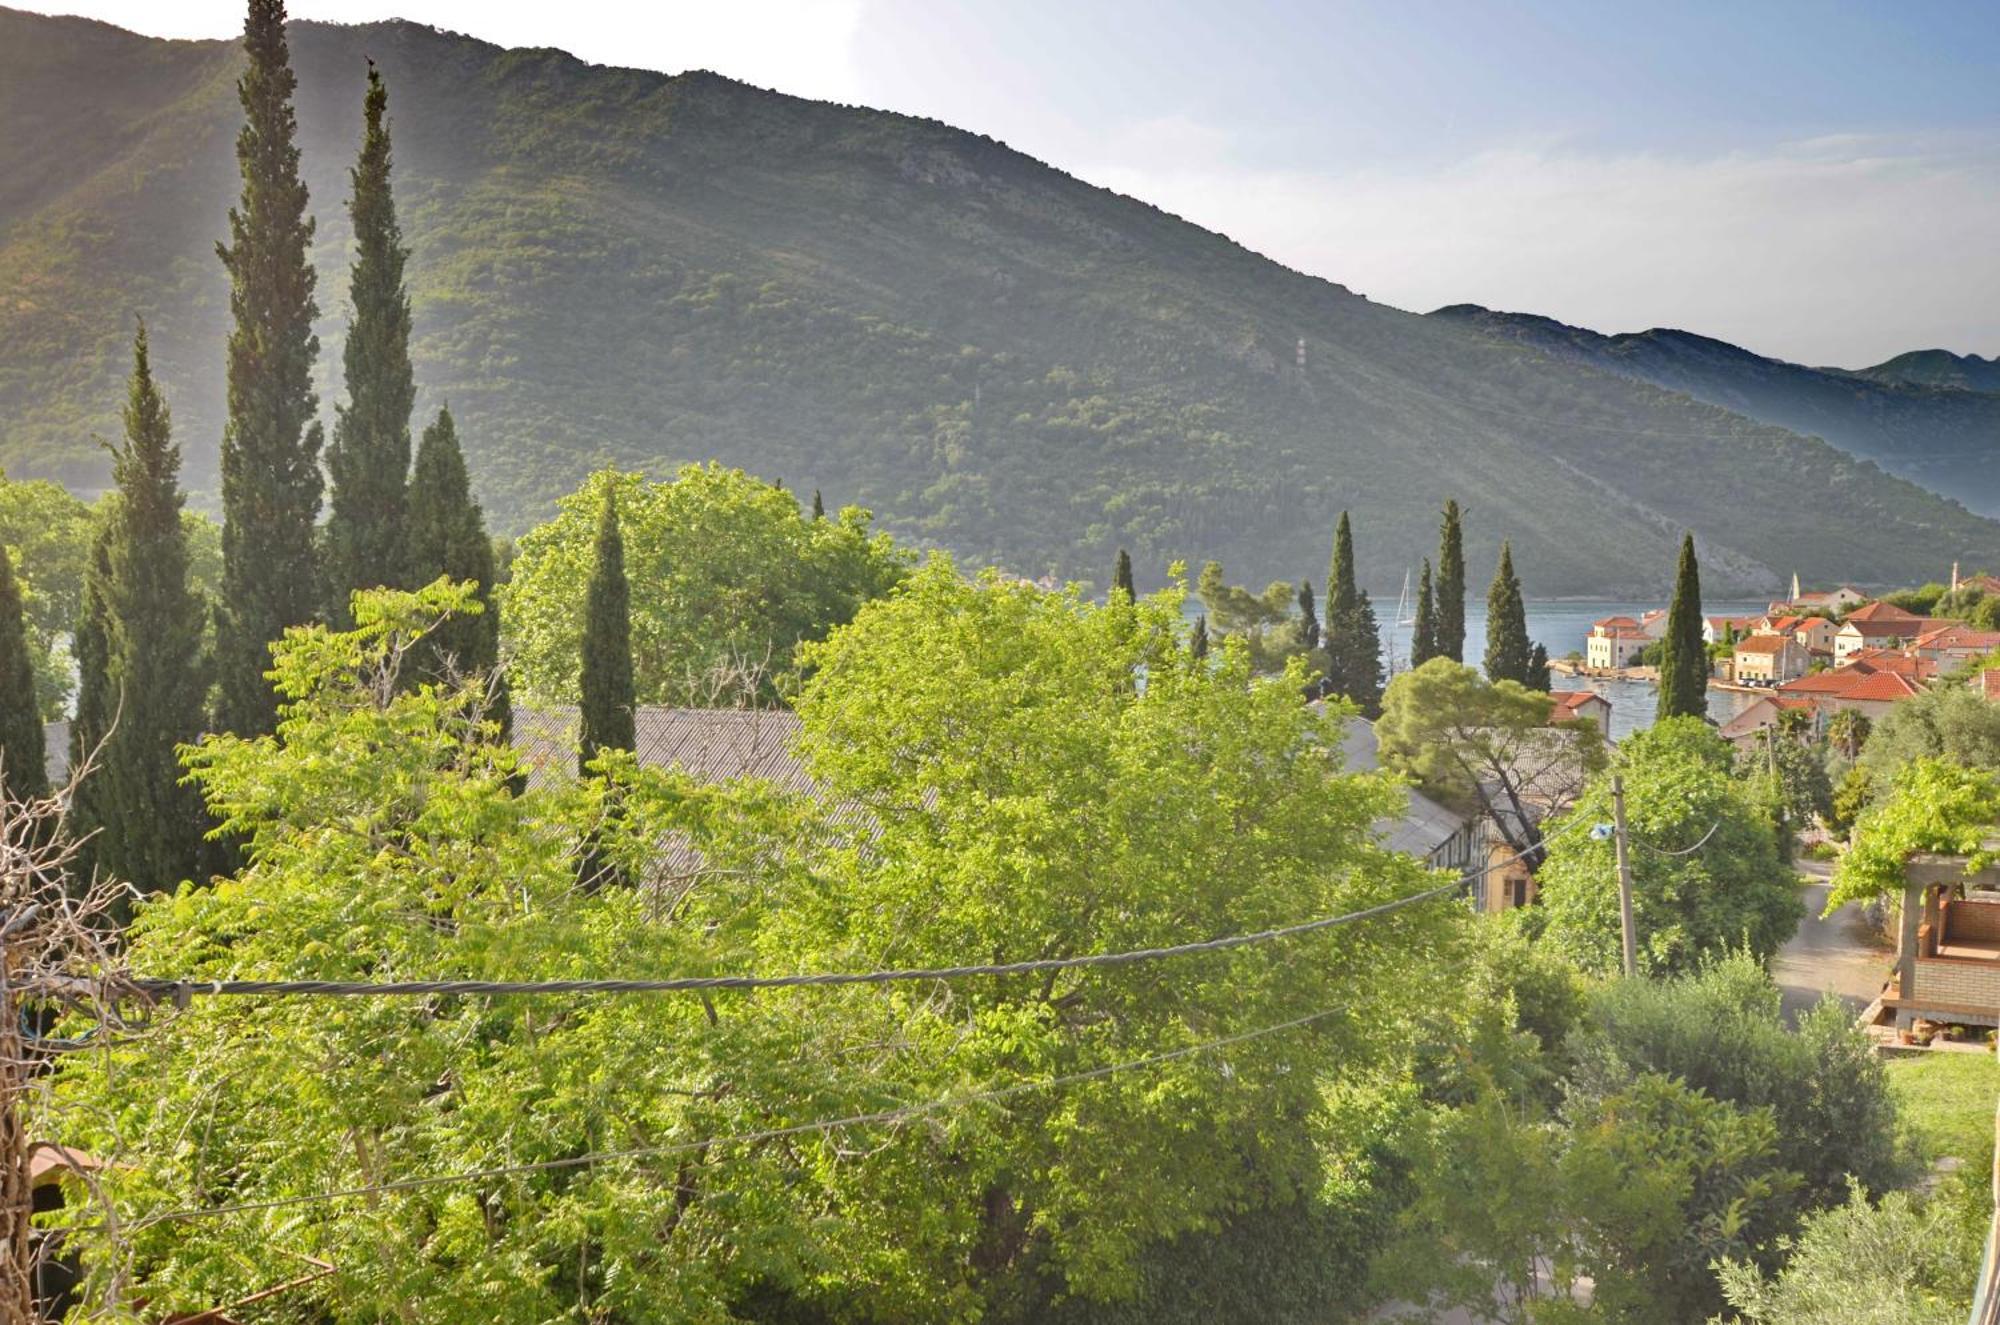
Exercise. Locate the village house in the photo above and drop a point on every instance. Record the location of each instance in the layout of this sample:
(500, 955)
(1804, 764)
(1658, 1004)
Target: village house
(1766, 712)
(1571, 705)
(1816, 633)
(1832, 600)
(1953, 646)
(1770, 660)
(1724, 629)
(1614, 642)
(1875, 626)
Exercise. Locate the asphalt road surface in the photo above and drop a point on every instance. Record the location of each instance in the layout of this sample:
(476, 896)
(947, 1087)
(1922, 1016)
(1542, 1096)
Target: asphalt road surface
(1838, 955)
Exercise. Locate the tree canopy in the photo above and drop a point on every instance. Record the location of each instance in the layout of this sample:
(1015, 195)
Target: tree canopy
(724, 569)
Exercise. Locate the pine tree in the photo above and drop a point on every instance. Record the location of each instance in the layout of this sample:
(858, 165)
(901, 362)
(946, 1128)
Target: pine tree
(1350, 637)
(1538, 670)
(1448, 632)
(1683, 656)
(1198, 639)
(819, 507)
(447, 536)
(1423, 632)
(608, 718)
(1508, 653)
(369, 459)
(1121, 576)
(23, 758)
(151, 825)
(270, 442)
(1308, 619)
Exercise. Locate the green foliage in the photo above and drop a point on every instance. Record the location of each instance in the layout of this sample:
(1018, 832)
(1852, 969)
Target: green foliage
(1731, 893)
(1933, 805)
(1720, 1030)
(1016, 794)
(724, 573)
(447, 536)
(1121, 574)
(1353, 644)
(609, 707)
(368, 461)
(270, 441)
(1943, 722)
(1683, 689)
(46, 533)
(1264, 623)
(1424, 644)
(1538, 678)
(21, 760)
(150, 823)
(1905, 1261)
(1450, 627)
(1507, 646)
(1791, 779)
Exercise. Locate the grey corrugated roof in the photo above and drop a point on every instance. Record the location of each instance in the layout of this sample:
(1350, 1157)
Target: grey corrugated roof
(1426, 825)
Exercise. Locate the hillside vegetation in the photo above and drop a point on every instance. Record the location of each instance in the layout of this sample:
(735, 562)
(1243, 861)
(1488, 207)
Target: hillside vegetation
(615, 267)
(1913, 415)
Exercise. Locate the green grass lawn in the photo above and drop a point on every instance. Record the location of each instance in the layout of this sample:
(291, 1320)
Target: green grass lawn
(1947, 1101)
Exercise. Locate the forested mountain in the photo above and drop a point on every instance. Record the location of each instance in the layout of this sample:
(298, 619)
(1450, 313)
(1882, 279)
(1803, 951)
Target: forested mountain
(618, 267)
(1967, 372)
(1910, 415)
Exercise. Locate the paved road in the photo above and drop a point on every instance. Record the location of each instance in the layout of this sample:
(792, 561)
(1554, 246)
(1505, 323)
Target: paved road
(1838, 954)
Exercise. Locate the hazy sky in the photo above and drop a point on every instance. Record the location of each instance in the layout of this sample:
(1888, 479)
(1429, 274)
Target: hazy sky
(1815, 180)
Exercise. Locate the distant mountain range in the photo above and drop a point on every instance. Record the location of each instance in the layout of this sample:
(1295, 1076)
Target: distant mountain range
(619, 267)
(1914, 415)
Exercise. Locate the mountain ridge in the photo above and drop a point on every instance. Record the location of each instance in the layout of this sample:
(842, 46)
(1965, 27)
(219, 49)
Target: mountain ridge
(619, 267)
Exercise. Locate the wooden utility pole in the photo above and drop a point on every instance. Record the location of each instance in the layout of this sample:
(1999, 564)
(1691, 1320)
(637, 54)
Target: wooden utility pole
(1630, 940)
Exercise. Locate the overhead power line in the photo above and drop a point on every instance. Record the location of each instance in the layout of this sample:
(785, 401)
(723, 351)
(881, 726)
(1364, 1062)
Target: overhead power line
(183, 989)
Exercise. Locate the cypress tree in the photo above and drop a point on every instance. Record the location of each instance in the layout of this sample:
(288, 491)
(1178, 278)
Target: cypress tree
(1448, 632)
(270, 441)
(447, 536)
(1423, 631)
(151, 824)
(608, 719)
(1198, 639)
(1121, 576)
(91, 645)
(369, 458)
(1308, 618)
(1538, 669)
(1508, 653)
(23, 759)
(1683, 656)
(1352, 641)
(819, 507)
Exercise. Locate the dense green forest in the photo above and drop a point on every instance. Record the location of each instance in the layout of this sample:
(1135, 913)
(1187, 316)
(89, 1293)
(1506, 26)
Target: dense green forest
(612, 267)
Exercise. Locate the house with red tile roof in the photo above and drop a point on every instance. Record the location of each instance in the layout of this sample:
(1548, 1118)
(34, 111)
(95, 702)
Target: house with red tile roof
(1765, 712)
(1570, 705)
(1715, 629)
(1954, 645)
(1614, 642)
(1875, 626)
(1987, 684)
(1770, 659)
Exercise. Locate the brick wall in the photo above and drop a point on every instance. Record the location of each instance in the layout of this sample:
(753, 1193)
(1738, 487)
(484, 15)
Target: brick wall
(1964, 982)
(1965, 919)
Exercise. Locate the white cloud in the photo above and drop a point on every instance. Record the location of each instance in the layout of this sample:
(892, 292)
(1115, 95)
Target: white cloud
(1835, 250)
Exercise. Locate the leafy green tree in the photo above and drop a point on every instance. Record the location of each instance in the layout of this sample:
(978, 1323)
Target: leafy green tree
(1014, 793)
(1944, 722)
(23, 769)
(1933, 805)
(47, 534)
(1539, 677)
(1792, 775)
(1450, 628)
(1424, 633)
(369, 458)
(1352, 642)
(1263, 622)
(1683, 691)
(1121, 576)
(1487, 748)
(1508, 651)
(1721, 1030)
(1847, 732)
(150, 823)
(447, 536)
(724, 573)
(1904, 1261)
(271, 442)
(609, 709)
(1728, 890)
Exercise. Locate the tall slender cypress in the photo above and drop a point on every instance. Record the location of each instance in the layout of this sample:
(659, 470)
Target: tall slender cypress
(608, 718)
(1198, 639)
(1423, 631)
(1539, 677)
(1121, 576)
(1508, 653)
(90, 642)
(1683, 656)
(369, 458)
(1352, 641)
(1309, 632)
(23, 759)
(151, 824)
(819, 507)
(1449, 631)
(270, 441)
(447, 536)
